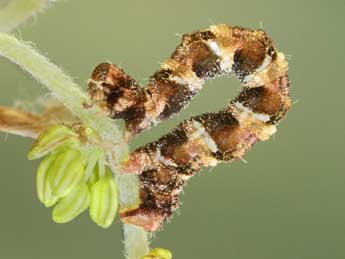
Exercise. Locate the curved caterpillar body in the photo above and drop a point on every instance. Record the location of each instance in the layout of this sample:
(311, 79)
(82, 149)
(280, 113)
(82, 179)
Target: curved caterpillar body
(205, 140)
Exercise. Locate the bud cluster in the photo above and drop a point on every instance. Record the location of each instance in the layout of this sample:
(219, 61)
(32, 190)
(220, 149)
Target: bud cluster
(73, 175)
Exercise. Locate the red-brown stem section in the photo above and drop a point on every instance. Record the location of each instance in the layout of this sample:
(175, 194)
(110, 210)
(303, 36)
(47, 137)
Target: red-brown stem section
(205, 140)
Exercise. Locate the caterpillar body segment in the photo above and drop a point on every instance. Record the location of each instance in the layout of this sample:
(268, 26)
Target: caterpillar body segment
(201, 141)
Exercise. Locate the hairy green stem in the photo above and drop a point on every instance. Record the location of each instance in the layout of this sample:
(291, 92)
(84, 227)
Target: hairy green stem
(70, 94)
(13, 13)
(61, 85)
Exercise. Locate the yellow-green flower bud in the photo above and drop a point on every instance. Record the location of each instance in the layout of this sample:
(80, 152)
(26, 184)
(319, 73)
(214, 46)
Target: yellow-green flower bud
(44, 191)
(72, 205)
(52, 138)
(149, 257)
(161, 253)
(93, 158)
(101, 166)
(66, 172)
(104, 201)
(93, 177)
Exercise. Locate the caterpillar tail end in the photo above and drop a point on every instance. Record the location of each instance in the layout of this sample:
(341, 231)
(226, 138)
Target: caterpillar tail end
(148, 220)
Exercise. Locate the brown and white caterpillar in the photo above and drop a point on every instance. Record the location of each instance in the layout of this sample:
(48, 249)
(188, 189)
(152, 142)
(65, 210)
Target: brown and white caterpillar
(205, 140)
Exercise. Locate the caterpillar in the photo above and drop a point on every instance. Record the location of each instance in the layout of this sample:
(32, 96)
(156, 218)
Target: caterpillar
(205, 140)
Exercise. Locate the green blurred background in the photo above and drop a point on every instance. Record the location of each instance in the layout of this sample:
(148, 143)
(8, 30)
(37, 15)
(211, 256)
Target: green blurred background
(287, 202)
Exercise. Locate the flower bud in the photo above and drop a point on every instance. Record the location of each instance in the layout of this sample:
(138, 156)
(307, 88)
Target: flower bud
(72, 205)
(93, 177)
(101, 166)
(44, 191)
(161, 253)
(104, 201)
(93, 158)
(52, 138)
(66, 172)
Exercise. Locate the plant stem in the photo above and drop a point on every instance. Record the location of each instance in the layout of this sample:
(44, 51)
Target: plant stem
(136, 239)
(15, 12)
(61, 85)
(70, 94)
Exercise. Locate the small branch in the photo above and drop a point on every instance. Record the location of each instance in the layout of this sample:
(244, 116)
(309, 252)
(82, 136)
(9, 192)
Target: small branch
(20, 123)
(13, 13)
(27, 124)
(70, 94)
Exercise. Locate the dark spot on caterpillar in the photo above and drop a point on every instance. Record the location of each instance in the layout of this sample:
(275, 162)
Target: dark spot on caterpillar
(197, 36)
(100, 72)
(249, 96)
(208, 68)
(272, 53)
(251, 54)
(133, 116)
(177, 102)
(176, 138)
(223, 156)
(212, 121)
(162, 74)
(114, 95)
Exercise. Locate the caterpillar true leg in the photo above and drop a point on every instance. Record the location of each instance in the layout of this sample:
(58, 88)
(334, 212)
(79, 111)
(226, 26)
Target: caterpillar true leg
(204, 140)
